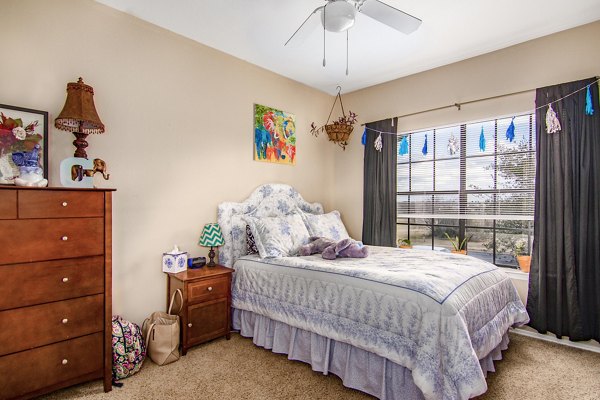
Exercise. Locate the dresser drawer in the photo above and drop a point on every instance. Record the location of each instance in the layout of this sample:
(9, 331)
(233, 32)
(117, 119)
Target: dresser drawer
(29, 327)
(32, 370)
(208, 289)
(8, 204)
(50, 239)
(60, 204)
(43, 282)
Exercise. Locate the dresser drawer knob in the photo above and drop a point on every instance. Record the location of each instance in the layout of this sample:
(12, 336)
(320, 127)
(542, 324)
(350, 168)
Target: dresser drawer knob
(65, 320)
(65, 279)
(64, 238)
(209, 289)
(65, 361)
(190, 325)
(64, 204)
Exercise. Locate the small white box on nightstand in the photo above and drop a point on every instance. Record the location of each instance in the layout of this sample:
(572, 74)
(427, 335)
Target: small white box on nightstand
(174, 261)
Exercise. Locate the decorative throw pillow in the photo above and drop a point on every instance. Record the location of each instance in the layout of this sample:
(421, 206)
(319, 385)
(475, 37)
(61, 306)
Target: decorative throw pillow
(328, 225)
(278, 236)
(250, 243)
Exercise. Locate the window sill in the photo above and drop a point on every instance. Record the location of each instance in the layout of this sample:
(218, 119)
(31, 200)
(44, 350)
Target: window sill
(516, 274)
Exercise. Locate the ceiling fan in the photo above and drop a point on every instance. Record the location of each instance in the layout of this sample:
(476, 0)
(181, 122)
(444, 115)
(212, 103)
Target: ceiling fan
(340, 15)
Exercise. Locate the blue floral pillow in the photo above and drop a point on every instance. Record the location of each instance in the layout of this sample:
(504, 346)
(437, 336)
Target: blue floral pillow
(278, 236)
(328, 225)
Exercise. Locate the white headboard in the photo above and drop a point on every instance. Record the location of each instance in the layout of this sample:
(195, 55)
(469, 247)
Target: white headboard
(273, 199)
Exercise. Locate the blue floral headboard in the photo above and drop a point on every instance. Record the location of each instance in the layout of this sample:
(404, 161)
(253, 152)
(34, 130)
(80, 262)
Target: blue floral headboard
(268, 200)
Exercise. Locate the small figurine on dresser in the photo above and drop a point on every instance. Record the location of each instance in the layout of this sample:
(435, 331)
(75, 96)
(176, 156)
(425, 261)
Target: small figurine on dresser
(30, 172)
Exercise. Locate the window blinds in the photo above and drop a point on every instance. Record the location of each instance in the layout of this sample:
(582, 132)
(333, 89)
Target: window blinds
(483, 170)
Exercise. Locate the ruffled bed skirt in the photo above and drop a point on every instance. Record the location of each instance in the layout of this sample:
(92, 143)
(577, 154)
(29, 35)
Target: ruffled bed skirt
(358, 369)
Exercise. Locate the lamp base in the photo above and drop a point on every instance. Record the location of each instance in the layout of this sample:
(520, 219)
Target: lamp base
(211, 256)
(80, 143)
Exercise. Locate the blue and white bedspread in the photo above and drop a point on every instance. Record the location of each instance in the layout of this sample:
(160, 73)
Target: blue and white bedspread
(434, 313)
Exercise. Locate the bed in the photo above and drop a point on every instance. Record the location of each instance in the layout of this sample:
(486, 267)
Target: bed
(399, 324)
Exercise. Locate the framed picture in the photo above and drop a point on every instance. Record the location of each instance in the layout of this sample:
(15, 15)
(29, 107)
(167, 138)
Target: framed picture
(274, 135)
(20, 130)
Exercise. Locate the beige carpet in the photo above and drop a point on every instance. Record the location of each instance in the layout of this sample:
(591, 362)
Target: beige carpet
(222, 369)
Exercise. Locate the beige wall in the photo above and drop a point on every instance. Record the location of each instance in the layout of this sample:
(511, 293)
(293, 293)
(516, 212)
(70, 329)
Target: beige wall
(570, 55)
(179, 127)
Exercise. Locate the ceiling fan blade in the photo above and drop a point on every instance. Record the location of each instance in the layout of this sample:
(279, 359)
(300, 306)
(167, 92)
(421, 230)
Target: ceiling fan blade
(307, 27)
(392, 17)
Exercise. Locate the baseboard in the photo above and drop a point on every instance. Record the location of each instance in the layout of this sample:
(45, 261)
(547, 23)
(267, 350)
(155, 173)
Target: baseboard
(591, 345)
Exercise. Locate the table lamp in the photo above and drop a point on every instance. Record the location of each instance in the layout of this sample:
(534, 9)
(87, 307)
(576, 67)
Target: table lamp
(79, 115)
(211, 237)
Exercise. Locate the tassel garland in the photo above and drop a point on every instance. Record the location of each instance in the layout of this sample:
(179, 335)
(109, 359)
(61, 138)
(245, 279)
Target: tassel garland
(510, 132)
(425, 146)
(403, 146)
(452, 145)
(379, 143)
(589, 109)
(482, 140)
(552, 122)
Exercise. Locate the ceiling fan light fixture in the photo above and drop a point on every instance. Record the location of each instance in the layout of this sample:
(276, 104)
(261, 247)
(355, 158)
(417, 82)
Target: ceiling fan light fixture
(338, 16)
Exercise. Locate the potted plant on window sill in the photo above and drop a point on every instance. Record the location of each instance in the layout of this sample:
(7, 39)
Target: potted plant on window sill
(404, 244)
(459, 247)
(522, 255)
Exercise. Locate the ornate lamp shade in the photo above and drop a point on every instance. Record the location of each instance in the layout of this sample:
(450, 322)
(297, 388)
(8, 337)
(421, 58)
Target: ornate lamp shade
(211, 237)
(79, 115)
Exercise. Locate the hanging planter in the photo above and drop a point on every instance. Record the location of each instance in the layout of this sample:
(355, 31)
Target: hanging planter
(338, 131)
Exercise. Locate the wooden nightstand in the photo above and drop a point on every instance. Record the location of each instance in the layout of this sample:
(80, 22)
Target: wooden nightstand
(206, 311)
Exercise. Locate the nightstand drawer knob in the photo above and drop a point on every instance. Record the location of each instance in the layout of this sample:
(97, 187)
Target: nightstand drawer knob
(65, 320)
(209, 289)
(65, 279)
(65, 361)
(64, 238)
(64, 204)
(190, 325)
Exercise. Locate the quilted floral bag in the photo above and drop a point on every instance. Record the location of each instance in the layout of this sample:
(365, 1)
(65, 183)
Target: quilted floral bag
(128, 348)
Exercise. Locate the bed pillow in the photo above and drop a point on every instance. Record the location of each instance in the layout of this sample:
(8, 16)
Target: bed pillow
(278, 236)
(328, 225)
(250, 242)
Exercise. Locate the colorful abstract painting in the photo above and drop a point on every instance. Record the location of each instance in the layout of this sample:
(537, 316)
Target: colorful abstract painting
(274, 135)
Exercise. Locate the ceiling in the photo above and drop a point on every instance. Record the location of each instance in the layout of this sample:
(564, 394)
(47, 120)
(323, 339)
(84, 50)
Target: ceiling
(256, 30)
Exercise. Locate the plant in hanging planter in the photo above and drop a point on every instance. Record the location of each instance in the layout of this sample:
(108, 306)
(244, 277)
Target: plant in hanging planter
(459, 247)
(522, 254)
(338, 131)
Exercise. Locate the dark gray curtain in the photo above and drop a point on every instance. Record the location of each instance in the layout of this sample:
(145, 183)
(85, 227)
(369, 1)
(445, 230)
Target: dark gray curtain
(379, 193)
(564, 282)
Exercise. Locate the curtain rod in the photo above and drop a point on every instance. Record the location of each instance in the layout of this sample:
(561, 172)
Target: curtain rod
(459, 105)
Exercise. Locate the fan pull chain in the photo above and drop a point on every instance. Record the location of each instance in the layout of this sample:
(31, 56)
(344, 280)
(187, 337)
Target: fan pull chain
(347, 53)
(324, 23)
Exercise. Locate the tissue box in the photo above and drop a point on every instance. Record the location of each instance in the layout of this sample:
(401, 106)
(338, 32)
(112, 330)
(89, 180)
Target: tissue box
(174, 262)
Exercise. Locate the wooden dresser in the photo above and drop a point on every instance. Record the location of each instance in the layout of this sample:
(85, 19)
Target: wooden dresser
(206, 311)
(55, 289)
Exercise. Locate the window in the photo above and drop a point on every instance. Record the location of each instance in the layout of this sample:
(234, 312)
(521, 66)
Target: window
(470, 181)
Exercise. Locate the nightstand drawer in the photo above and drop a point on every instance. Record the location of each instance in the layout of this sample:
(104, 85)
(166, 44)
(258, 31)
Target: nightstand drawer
(8, 204)
(50, 239)
(207, 321)
(36, 326)
(43, 282)
(32, 370)
(60, 204)
(208, 289)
